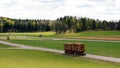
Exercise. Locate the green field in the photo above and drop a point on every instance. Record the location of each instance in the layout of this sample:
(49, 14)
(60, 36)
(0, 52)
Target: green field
(92, 47)
(41, 59)
(91, 34)
(5, 46)
(14, 58)
(33, 34)
(80, 34)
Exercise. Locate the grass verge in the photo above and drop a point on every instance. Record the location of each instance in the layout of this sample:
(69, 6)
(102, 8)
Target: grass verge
(5, 46)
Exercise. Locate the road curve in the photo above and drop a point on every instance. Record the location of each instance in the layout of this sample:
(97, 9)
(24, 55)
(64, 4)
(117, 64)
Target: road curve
(98, 57)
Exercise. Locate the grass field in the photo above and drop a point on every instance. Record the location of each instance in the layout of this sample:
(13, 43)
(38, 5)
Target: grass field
(91, 33)
(5, 46)
(33, 34)
(92, 47)
(80, 34)
(95, 35)
(41, 59)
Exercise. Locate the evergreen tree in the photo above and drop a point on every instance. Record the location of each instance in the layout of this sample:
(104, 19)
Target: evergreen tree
(104, 25)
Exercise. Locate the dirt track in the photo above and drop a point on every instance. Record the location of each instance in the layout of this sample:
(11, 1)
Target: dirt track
(111, 59)
(97, 38)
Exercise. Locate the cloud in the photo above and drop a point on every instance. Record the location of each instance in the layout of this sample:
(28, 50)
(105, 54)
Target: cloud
(85, 6)
(52, 9)
(50, 1)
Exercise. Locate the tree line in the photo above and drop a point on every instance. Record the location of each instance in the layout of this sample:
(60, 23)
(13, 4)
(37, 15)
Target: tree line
(60, 25)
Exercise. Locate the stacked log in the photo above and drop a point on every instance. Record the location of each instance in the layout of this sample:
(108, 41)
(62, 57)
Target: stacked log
(74, 48)
(67, 48)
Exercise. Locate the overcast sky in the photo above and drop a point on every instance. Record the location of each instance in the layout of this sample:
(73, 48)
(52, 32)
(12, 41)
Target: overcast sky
(52, 9)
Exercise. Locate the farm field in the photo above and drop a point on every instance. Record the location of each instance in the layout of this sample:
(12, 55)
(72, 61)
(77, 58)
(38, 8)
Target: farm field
(92, 47)
(33, 34)
(41, 59)
(95, 35)
(80, 34)
(91, 34)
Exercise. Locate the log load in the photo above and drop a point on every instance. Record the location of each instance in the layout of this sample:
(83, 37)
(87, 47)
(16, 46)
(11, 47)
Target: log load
(74, 48)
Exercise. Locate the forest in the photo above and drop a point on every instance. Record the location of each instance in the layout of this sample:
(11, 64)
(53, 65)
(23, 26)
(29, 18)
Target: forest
(60, 25)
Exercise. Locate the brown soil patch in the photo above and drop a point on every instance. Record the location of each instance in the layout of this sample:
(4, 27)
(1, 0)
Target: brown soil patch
(97, 38)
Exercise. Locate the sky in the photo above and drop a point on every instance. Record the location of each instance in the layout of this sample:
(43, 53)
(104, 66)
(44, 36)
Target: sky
(53, 9)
